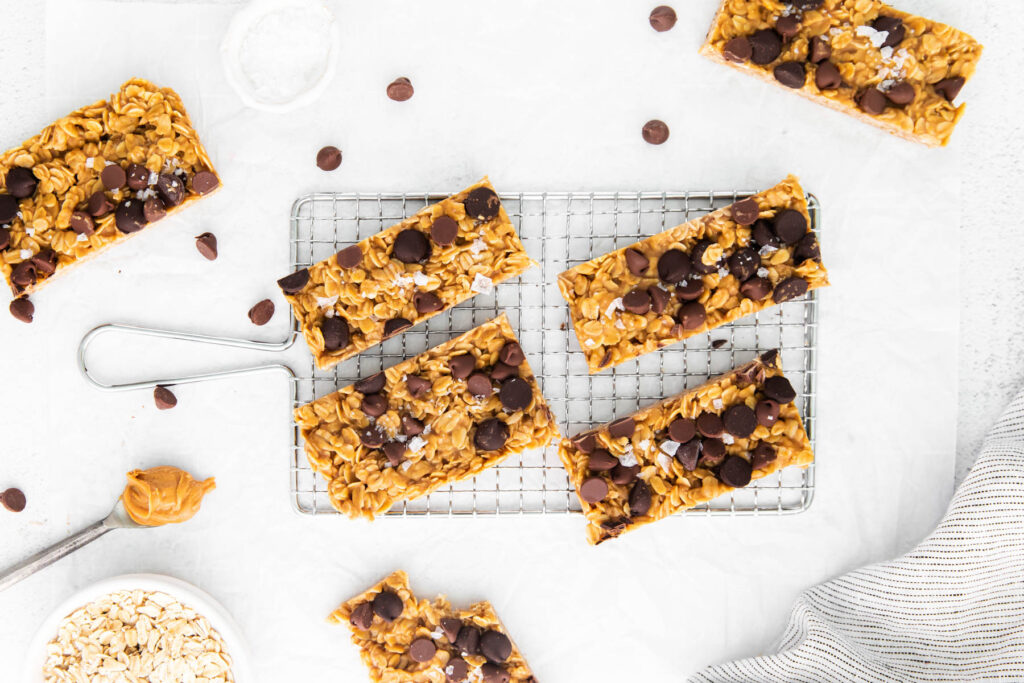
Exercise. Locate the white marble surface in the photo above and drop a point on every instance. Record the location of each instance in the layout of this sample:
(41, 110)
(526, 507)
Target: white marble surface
(577, 86)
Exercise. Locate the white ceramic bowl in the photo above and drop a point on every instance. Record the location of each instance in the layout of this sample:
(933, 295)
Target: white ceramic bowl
(184, 592)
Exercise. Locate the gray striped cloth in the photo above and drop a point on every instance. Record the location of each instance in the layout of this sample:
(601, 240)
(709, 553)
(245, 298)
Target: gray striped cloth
(950, 610)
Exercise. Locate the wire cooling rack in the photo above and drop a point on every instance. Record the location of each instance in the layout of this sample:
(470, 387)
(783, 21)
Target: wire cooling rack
(559, 230)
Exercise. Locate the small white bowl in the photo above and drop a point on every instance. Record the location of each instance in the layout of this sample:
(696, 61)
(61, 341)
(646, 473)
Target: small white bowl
(184, 592)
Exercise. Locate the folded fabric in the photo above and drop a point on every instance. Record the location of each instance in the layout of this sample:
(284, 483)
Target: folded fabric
(950, 610)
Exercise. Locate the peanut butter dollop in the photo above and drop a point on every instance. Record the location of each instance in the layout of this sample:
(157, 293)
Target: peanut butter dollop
(163, 495)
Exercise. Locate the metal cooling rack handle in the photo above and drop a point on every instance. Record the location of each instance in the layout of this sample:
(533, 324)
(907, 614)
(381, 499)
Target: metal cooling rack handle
(182, 336)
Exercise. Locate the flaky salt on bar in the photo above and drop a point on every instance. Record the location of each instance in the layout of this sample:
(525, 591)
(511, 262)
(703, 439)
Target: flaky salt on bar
(894, 70)
(405, 639)
(694, 277)
(687, 449)
(445, 415)
(93, 178)
(446, 253)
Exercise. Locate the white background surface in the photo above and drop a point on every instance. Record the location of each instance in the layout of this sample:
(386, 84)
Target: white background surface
(539, 97)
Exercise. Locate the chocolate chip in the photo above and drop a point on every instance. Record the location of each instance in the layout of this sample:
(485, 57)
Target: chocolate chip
(205, 182)
(418, 387)
(396, 325)
(767, 412)
(585, 443)
(950, 87)
(45, 261)
(779, 389)
(692, 315)
(636, 262)
(827, 76)
(762, 455)
(468, 640)
(207, 246)
(8, 208)
(387, 605)
(444, 230)
(743, 263)
(790, 288)
(100, 205)
(662, 18)
(872, 101)
(411, 246)
(893, 26)
(673, 266)
(21, 182)
(746, 211)
(335, 333)
(719, 343)
(400, 89)
(622, 428)
(637, 301)
(13, 499)
(153, 209)
(712, 452)
(791, 74)
(623, 475)
(515, 394)
(479, 384)
(495, 646)
(293, 284)
(639, 499)
(375, 405)
(819, 50)
(789, 225)
(901, 93)
(601, 460)
(422, 650)
(462, 365)
(738, 49)
(710, 424)
(164, 399)
(394, 451)
(735, 472)
(739, 420)
(22, 309)
(129, 216)
(766, 46)
(682, 429)
(689, 290)
(491, 435)
(763, 234)
(655, 132)
(787, 26)
(412, 426)
(170, 188)
(697, 257)
(5, 238)
(492, 673)
(688, 453)
(114, 177)
(372, 437)
(24, 274)
(362, 616)
(511, 354)
(606, 359)
(756, 288)
(482, 204)
(427, 302)
(328, 158)
(137, 178)
(502, 371)
(456, 670)
(451, 626)
(807, 248)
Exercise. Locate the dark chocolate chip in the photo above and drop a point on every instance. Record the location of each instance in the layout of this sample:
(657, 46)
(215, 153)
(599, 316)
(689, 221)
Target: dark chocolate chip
(418, 387)
(697, 258)
(659, 299)
(655, 132)
(756, 288)
(468, 640)
(164, 399)
(950, 87)
(872, 101)
(372, 384)
(585, 443)
(639, 499)
(819, 50)
(372, 437)
(901, 93)
(492, 673)
(114, 177)
(479, 384)
(770, 359)
(787, 26)
(22, 309)
(495, 646)
(779, 389)
(45, 261)
(662, 18)
(375, 405)
(411, 246)
(689, 290)
(743, 263)
(762, 455)
(688, 453)
(8, 208)
(636, 262)
(362, 616)
(396, 325)
(205, 182)
(791, 74)
(335, 332)
(412, 426)
(13, 499)
(739, 420)
(622, 428)
(502, 371)
(137, 177)
(387, 605)
(735, 472)
(767, 412)
(827, 76)
(293, 284)
(328, 158)
(153, 209)
(673, 266)
(712, 452)
(790, 288)
(394, 451)
(623, 475)
(763, 234)
(515, 394)
(207, 246)
(444, 230)
(462, 366)
(893, 26)
(746, 211)
(129, 216)
(422, 650)
(790, 225)
(170, 188)
(491, 435)
(637, 301)
(100, 205)
(601, 460)
(451, 626)
(400, 89)
(21, 182)
(692, 315)
(512, 354)
(482, 204)
(710, 424)
(766, 46)
(738, 49)
(456, 670)
(427, 302)
(682, 429)
(807, 248)
(719, 343)
(349, 257)
(24, 274)
(5, 237)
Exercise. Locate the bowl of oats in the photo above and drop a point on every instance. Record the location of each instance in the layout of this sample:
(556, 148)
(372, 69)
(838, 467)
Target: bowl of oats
(138, 627)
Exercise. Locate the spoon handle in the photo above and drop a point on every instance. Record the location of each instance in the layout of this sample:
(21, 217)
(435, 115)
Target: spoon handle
(44, 558)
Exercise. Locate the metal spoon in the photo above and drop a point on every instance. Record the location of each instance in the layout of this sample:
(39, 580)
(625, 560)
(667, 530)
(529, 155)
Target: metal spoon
(117, 519)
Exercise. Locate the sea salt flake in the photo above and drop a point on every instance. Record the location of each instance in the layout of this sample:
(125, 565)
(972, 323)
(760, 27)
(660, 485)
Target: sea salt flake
(89, 161)
(643, 444)
(727, 439)
(25, 254)
(762, 272)
(628, 459)
(665, 461)
(723, 271)
(482, 284)
(477, 245)
(30, 231)
(615, 305)
(717, 403)
(416, 444)
(82, 238)
(426, 430)
(589, 343)
(619, 324)
(669, 447)
(420, 278)
(405, 465)
(326, 301)
(329, 313)
(876, 38)
(152, 178)
(767, 249)
(401, 281)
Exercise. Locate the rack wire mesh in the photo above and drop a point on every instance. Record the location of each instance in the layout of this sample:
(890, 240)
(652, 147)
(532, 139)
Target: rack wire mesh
(559, 230)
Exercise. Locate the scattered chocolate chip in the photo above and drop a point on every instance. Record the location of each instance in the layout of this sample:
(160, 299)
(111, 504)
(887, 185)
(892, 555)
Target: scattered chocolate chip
(827, 76)
(743, 263)
(8, 208)
(710, 424)
(137, 177)
(606, 359)
(468, 640)
(770, 359)
(387, 605)
(100, 205)
(113, 177)
(872, 101)
(636, 262)
(790, 225)
(451, 626)
(623, 475)
(394, 451)
(950, 87)
(512, 354)
(692, 315)
(819, 50)
(462, 366)
(396, 325)
(637, 301)
(129, 216)
(372, 437)
(207, 246)
(293, 284)
(412, 426)
(411, 246)
(689, 290)
(349, 257)
(738, 49)
(791, 74)
(170, 188)
(491, 434)
(375, 405)
(418, 387)
(585, 443)
(673, 266)
(787, 26)
(779, 389)
(335, 333)
(756, 288)
(5, 238)
(495, 646)
(456, 670)
(790, 288)
(492, 673)
(766, 46)
(767, 412)
(762, 455)
(697, 257)
(482, 204)
(718, 343)
(362, 616)
(328, 158)
(901, 93)
(763, 234)
(712, 452)
(24, 274)
(622, 428)
(746, 211)
(422, 650)
(893, 26)
(427, 302)
(739, 420)
(735, 472)
(502, 371)
(659, 299)
(682, 429)
(204, 182)
(164, 399)
(13, 499)
(601, 460)
(444, 230)
(655, 132)
(662, 18)
(807, 248)
(479, 384)
(21, 182)
(639, 499)
(45, 261)
(22, 309)
(688, 453)
(153, 209)
(515, 394)
(400, 89)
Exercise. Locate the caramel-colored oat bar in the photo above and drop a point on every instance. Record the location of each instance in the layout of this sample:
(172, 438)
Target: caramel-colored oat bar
(445, 415)
(687, 449)
(694, 277)
(894, 70)
(403, 639)
(447, 253)
(95, 177)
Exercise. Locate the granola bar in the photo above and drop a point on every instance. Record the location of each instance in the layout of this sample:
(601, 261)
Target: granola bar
(444, 254)
(894, 70)
(403, 639)
(96, 177)
(687, 449)
(694, 277)
(445, 415)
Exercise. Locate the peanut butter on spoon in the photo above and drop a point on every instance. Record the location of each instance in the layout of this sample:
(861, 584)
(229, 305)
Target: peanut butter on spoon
(163, 495)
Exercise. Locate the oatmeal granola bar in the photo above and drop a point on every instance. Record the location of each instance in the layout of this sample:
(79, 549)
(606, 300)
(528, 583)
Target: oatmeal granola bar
(403, 639)
(445, 415)
(694, 277)
(687, 449)
(95, 177)
(888, 68)
(447, 253)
